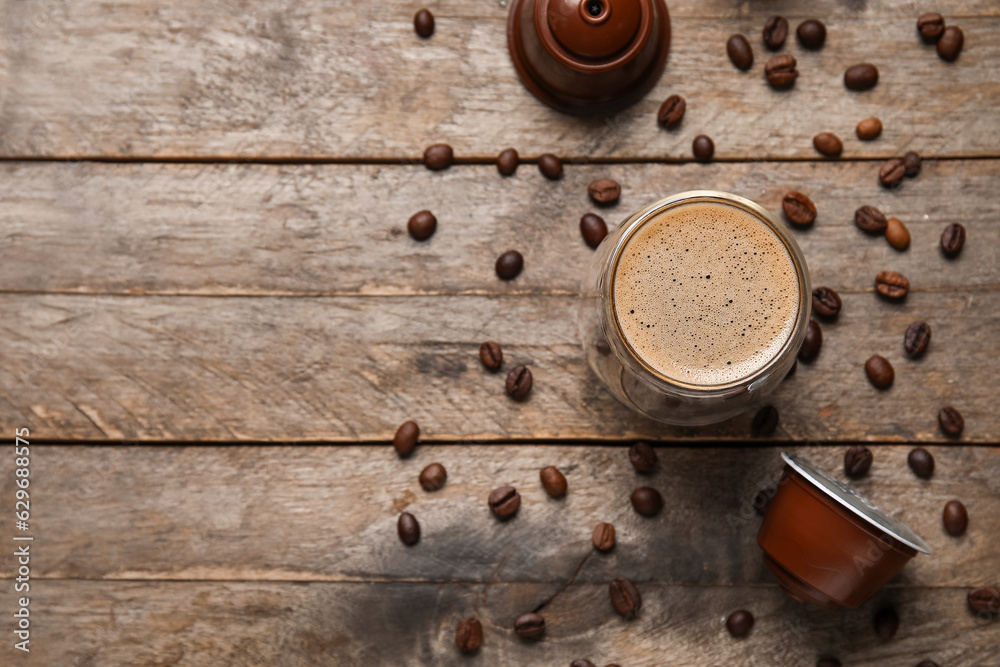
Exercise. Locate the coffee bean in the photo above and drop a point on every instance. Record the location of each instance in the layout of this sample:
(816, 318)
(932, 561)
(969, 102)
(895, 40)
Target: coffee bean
(469, 635)
(984, 598)
(951, 42)
(857, 461)
(930, 26)
(604, 190)
(826, 302)
(408, 529)
(886, 623)
(891, 285)
(642, 456)
(604, 536)
(762, 500)
(406, 438)
(582, 663)
(891, 172)
(433, 477)
(491, 355)
(553, 481)
(863, 76)
(438, 157)
(870, 219)
(647, 501)
(952, 239)
(422, 225)
(879, 372)
(509, 265)
(765, 421)
(518, 382)
(703, 148)
(917, 338)
(812, 342)
(780, 71)
(828, 662)
(423, 23)
(921, 462)
(955, 518)
(671, 111)
(529, 626)
(868, 129)
(625, 597)
(811, 34)
(897, 234)
(740, 52)
(951, 420)
(504, 501)
(912, 163)
(550, 166)
(507, 161)
(593, 228)
(828, 143)
(775, 32)
(739, 623)
(798, 208)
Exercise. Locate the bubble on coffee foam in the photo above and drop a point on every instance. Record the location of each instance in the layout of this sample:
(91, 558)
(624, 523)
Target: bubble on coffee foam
(706, 293)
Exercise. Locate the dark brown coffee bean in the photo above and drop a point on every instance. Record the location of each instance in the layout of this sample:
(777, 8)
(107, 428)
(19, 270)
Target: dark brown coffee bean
(423, 23)
(798, 208)
(739, 623)
(870, 219)
(912, 163)
(891, 285)
(519, 382)
(891, 172)
(529, 626)
(422, 225)
(642, 456)
(812, 342)
(984, 599)
(879, 371)
(504, 501)
(550, 166)
(582, 663)
(780, 71)
(671, 111)
(406, 438)
(921, 462)
(857, 461)
(953, 239)
(951, 42)
(775, 32)
(625, 597)
(951, 420)
(828, 662)
(703, 148)
(762, 500)
(765, 421)
(863, 76)
(604, 190)
(553, 481)
(917, 338)
(930, 26)
(897, 234)
(433, 477)
(868, 129)
(826, 302)
(811, 34)
(740, 52)
(604, 536)
(509, 265)
(491, 355)
(593, 228)
(647, 501)
(955, 518)
(469, 635)
(507, 161)
(828, 143)
(886, 623)
(408, 529)
(438, 157)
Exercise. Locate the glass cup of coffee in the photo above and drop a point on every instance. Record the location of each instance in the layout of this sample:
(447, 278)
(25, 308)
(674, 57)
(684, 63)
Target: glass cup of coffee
(694, 308)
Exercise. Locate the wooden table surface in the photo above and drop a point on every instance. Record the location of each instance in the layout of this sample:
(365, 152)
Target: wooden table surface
(212, 321)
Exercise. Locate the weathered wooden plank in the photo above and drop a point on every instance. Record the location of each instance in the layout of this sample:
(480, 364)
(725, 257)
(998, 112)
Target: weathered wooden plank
(305, 79)
(340, 229)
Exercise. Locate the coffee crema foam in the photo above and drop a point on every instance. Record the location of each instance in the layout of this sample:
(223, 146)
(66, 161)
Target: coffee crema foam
(706, 293)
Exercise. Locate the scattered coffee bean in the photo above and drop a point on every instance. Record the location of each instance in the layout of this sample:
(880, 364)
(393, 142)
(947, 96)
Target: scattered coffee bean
(642, 456)
(826, 302)
(491, 355)
(406, 438)
(422, 225)
(647, 501)
(529, 626)
(828, 662)
(604, 536)
(740, 52)
(593, 228)
(582, 663)
(762, 500)
(930, 26)
(955, 518)
(984, 598)
(553, 481)
(798, 208)
(812, 342)
(625, 597)
(550, 166)
(811, 34)
(469, 634)
(739, 623)
(703, 148)
(518, 383)
(765, 421)
(879, 372)
(891, 285)
(917, 338)
(921, 462)
(604, 190)
(951, 42)
(828, 143)
(857, 461)
(868, 129)
(408, 529)
(863, 76)
(438, 157)
(780, 71)
(912, 163)
(507, 161)
(897, 234)
(870, 219)
(671, 111)
(775, 32)
(509, 265)
(504, 501)
(891, 172)
(951, 420)
(953, 239)
(886, 623)
(423, 23)
(433, 477)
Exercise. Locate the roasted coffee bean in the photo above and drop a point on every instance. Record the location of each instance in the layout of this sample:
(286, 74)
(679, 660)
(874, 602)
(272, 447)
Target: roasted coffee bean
(550, 166)
(433, 477)
(828, 143)
(529, 626)
(951, 42)
(955, 518)
(912, 163)
(423, 23)
(921, 462)
(891, 285)
(647, 501)
(703, 148)
(828, 662)
(762, 500)
(765, 421)
(519, 382)
(507, 161)
(739, 623)
(857, 461)
(811, 34)
(879, 371)
(406, 438)
(582, 663)
(953, 239)
(422, 225)
(438, 157)
(740, 52)
(504, 501)
(984, 598)
(604, 536)
(826, 302)
(625, 597)
(891, 172)
(951, 420)
(469, 634)
(509, 265)
(642, 456)
(553, 481)
(491, 355)
(671, 111)
(593, 228)
(812, 342)
(886, 623)
(798, 208)
(408, 529)
(870, 219)
(863, 76)
(897, 234)
(917, 338)
(775, 32)
(780, 71)
(868, 129)
(930, 26)
(604, 190)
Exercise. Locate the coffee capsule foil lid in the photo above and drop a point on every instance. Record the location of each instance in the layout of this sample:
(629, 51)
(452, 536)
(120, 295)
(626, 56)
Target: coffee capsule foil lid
(856, 504)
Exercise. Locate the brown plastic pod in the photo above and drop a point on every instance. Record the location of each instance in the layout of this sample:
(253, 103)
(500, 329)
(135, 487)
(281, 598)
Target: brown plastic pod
(588, 56)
